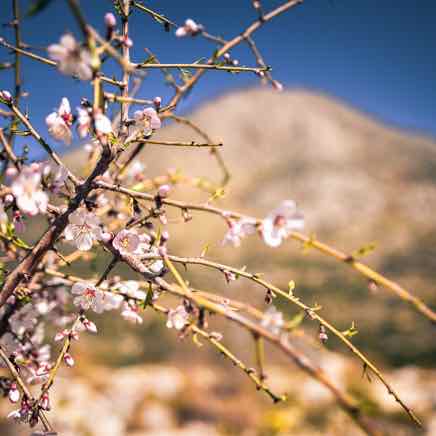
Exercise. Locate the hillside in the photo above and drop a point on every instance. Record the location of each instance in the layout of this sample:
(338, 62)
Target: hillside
(357, 182)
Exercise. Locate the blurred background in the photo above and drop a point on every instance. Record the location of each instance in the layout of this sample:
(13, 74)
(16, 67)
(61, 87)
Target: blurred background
(351, 139)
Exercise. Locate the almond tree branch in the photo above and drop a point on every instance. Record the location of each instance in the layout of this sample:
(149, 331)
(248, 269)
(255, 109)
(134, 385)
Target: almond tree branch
(42, 141)
(309, 310)
(20, 382)
(231, 44)
(280, 341)
(360, 267)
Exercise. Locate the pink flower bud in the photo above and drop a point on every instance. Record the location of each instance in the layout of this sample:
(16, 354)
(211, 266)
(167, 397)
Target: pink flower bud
(68, 359)
(60, 335)
(164, 190)
(11, 172)
(90, 326)
(45, 402)
(164, 236)
(6, 95)
(157, 101)
(14, 393)
(128, 42)
(110, 20)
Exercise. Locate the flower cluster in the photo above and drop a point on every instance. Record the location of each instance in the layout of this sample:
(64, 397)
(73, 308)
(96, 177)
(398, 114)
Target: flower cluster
(59, 122)
(190, 28)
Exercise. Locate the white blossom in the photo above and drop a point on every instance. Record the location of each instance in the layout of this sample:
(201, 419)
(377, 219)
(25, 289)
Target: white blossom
(281, 222)
(27, 191)
(103, 125)
(147, 120)
(238, 230)
(189, 28)
(59, 122)
(130, 288)
(273, 320)
(130, 313)
(111, 301)
(88, 297)
(83, 229)
(71, 58)
(126, 241)
(177, 318)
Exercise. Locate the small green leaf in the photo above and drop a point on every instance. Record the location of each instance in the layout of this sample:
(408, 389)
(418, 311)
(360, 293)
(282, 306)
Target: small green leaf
(295, 321)
(349, 333)
(291, 287)
(364, 250)
(37, 6)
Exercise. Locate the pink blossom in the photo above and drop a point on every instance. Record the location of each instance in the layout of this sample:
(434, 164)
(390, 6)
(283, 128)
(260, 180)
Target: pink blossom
(273, 320)
(88, 297)
(27, 191)
(126, 241)
(147, 120)
(111, 301)
(130, 313)
(71, 58)
(238, 230)
(59, 122)
(177, 318)
(130, 288)
(281, 222)
(83, 229)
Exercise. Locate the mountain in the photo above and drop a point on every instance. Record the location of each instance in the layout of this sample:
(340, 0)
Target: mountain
(356, 180)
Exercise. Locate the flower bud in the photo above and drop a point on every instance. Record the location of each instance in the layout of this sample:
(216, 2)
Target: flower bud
(90, 326)
(14, 393)
(6, 95)
(164, 190)
(68, 359)
(157, 101)
(9, 198)
(110, 20)
(127, 42)
(45, 402)
(11, 172)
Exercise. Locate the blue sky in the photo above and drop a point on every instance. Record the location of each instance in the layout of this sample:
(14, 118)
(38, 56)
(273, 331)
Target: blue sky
(377, 55)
